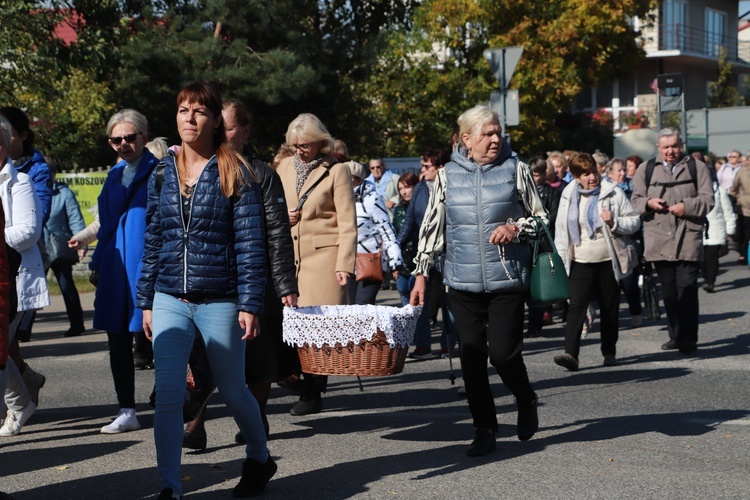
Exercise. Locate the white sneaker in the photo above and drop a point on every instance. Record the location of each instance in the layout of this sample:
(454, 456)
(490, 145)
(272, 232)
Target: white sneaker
(15, 420)
(124, 422)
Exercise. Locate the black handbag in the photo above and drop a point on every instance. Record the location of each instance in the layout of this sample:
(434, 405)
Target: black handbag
(549, 281)
(59, 252)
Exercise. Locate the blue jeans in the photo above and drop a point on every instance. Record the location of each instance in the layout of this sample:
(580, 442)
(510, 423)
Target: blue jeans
(175, 324)
(422, 333)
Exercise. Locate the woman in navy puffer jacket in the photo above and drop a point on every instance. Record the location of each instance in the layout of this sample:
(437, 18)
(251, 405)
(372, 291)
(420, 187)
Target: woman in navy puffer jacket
(204, 270)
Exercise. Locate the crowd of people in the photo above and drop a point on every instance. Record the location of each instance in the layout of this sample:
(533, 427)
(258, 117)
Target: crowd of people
(201, 246)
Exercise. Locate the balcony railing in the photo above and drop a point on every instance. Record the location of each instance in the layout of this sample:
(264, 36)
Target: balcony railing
(691, 40)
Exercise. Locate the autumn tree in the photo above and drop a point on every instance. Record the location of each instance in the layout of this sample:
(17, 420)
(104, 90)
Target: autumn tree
(569, 46)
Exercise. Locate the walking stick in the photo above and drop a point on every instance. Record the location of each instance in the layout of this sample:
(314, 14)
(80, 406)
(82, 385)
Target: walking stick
(447, 336)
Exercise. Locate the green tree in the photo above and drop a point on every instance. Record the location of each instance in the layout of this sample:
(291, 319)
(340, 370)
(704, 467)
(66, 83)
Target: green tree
(29, 57)
(723, 93)
(63, 87)
(71, 127)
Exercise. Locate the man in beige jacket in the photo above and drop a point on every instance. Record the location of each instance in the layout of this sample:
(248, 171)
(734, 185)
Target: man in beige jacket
(740, 191)
(674, 206)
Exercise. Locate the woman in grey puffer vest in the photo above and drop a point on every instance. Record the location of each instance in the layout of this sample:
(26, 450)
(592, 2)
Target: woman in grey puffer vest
(479, 207)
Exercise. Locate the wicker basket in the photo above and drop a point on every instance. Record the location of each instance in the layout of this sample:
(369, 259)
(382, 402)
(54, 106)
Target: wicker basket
(368, 358)
(372, 356)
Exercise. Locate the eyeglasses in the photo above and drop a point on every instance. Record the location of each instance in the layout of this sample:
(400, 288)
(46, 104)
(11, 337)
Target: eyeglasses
(376, 167)
(301, 147)
(130, 139)
(427, 165)
(734, 156)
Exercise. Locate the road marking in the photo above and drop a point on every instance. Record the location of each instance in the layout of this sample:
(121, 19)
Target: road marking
(707, 421)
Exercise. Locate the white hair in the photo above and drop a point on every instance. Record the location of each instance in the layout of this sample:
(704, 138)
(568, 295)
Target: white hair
(130, 116)
(308, 128)
(472, 121)
(669, 132)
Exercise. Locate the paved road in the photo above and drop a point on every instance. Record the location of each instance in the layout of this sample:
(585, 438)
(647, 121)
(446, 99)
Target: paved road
(659, 425)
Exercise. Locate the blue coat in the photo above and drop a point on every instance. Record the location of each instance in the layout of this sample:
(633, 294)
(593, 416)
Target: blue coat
(65, 217)
(35, 166)
(414, 215)
(118, 254)
(221, 251)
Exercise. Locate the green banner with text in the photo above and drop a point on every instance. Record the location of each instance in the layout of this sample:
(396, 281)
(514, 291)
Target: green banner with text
(86, 186)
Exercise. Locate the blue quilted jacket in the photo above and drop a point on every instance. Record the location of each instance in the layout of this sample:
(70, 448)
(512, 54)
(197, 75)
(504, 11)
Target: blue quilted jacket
(221, 251)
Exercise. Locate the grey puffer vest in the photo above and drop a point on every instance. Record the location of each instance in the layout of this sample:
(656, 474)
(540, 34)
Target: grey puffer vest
(477, 200)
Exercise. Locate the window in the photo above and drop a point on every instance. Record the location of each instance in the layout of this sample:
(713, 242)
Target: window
(716, 24)
(673, 21)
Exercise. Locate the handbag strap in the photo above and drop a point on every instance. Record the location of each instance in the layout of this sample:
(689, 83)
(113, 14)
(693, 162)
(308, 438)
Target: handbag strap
(304, 197)
(539, 222)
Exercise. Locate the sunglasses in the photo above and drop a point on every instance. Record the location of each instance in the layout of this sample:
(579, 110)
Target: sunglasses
(301, 147)
(130, 139)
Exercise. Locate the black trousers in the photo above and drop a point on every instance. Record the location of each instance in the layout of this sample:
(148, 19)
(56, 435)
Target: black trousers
(593, 281)
(490, 324)
(64, 276)
(629, 286)
(121, 364)
(710, 265)
(679, 289)
(743, 231)
(363, 292)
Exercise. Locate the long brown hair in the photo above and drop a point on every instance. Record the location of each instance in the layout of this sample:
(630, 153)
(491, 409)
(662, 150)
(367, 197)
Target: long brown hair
(233, 168)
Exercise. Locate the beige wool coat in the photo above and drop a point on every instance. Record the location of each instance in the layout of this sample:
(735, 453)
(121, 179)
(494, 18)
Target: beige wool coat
(325, 238)
(741, 190)
(666, 237)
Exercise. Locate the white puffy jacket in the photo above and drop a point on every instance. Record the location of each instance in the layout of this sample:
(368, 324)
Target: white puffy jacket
(23, 228)
(721, 219)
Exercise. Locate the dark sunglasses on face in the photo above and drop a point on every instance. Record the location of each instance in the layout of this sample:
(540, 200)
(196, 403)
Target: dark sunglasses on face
(130, 139)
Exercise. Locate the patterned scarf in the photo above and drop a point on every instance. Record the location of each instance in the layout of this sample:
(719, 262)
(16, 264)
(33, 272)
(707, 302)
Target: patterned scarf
(593, 221)
(304, 169)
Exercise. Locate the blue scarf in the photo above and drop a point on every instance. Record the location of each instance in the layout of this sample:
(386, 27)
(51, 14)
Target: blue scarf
(593, 221)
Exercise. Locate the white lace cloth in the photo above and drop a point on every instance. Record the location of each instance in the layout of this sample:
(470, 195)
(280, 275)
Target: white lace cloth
(333, 325)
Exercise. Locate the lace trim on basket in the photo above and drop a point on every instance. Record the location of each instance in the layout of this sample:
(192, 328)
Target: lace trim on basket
(333, 325)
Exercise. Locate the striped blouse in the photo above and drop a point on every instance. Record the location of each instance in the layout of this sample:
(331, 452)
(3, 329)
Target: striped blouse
(374, 228)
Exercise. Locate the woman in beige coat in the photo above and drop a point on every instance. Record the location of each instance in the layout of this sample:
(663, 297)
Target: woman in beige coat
(324, 227)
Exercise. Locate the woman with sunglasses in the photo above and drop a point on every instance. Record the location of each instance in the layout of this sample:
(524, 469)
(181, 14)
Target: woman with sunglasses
(324, 228)
(116, 261)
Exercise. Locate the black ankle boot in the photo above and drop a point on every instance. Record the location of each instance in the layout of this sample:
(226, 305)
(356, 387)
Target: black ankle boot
(255, 476)
(310, 402)
(166, 494)
(483, 444)
(195, 440)
(528, 419)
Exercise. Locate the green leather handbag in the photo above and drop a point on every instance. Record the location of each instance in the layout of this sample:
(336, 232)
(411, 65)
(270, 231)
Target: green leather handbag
(549, 281)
